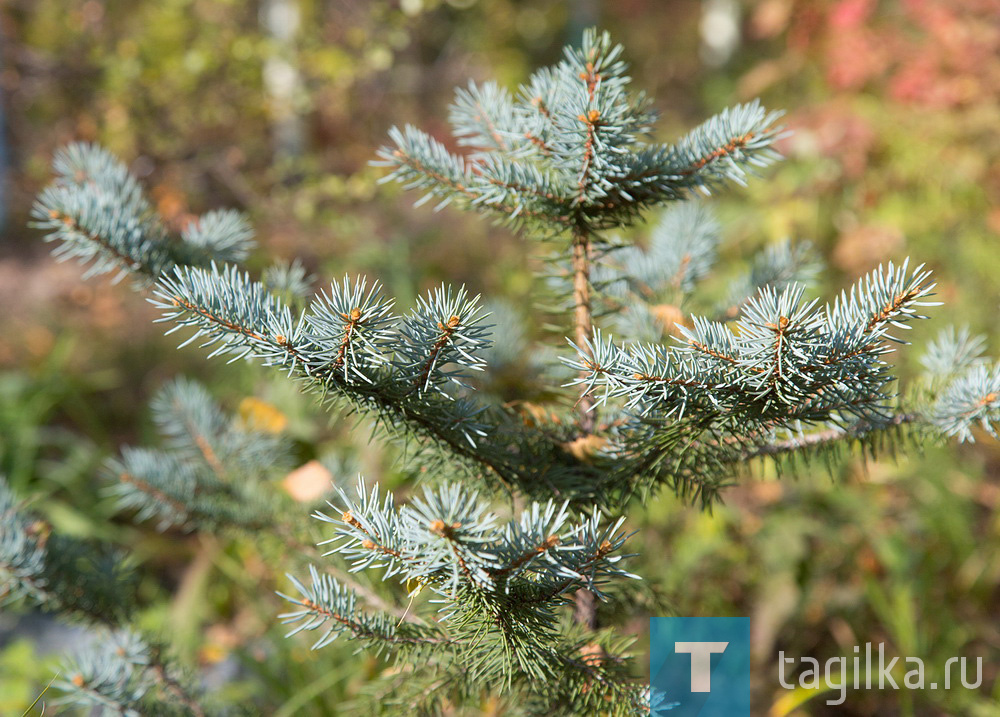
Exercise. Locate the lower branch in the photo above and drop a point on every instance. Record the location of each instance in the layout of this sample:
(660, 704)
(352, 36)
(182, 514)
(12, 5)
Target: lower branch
(159, 672)
(832, 435)
(345, 579)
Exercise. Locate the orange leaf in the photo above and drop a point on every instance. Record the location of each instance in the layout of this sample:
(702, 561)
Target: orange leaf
(308, 483)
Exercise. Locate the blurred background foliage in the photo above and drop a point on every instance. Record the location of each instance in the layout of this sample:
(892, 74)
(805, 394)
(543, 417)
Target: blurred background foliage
(276, 107)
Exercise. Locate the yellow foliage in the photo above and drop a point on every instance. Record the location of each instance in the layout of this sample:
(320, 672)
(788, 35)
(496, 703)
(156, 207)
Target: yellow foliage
(258, 415)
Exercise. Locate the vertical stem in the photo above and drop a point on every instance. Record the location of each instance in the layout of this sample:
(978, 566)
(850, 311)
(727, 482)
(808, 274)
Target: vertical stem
(583, 323)
(585, 609)
(583, 329)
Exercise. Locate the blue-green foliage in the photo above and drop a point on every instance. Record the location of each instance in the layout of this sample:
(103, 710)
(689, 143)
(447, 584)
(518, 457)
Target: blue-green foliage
(777, 267)
(962, 386)
(121, 673)
(109, 675)
(98, 211)
(570, 150)
(212, 470)
(79, 578)
(782, 361)
(22, 556)
(288, 280)
(450, 542)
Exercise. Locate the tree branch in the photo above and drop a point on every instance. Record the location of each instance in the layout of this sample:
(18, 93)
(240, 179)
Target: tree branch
(812, 440)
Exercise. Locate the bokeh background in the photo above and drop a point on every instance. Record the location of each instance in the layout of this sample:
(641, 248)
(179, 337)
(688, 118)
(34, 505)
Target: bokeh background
(276, 107)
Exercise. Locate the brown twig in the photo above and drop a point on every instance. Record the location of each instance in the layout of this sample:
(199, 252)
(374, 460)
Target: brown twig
(583, 322)
(447, 330)
(727, 149)
(154, 493)
(358, 629)
(543, 547)
(462, 189)
(127, 262)
(353, 319)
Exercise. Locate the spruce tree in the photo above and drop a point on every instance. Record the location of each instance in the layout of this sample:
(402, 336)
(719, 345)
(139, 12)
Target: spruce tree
(517, 531)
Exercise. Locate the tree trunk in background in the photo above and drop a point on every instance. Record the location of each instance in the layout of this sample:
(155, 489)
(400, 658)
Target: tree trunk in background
(280, 22)
(720, 31)
(4, 186)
